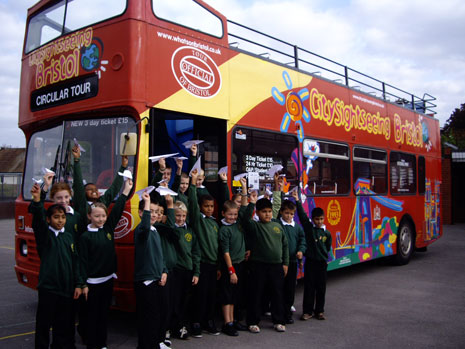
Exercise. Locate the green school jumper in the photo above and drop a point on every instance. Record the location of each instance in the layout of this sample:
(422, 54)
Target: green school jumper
(149, 261)
(59, 270)
(232, 242)
(205, 228)
(97, 247)
(318, 240)
(268, 241)
(187, 249)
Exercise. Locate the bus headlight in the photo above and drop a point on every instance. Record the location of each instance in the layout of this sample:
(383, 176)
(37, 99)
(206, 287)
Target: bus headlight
(23, 248)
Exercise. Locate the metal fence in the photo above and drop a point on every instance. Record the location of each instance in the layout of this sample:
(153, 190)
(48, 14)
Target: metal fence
(10, 186)
(243, 38)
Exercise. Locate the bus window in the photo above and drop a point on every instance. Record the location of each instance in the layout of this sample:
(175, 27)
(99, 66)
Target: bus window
(188, 14)
(43, 152)
(421, 175)
(257, 151)
(403, 173)
(370, 171)
(328, 167)
(51, 23)
(100, 160)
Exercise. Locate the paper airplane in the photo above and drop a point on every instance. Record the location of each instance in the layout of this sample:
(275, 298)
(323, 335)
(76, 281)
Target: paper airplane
(147, 190)
(126, 174)
(38, 181)
(180, 158)
(273, 169)
(165, 191)
(239, 176)
(47, 171)
(223, 170)
(189, 144)
(196, 166)
(162, 181)
(80, 147)
(158, 157)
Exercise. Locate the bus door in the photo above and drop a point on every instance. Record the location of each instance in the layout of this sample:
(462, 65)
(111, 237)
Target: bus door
(169, 130)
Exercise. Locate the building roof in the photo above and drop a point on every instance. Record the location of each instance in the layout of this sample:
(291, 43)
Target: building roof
(12, 160)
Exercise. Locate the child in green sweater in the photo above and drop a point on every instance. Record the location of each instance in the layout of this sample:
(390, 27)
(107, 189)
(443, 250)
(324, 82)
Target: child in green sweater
(186, 271)
(150, 275)
(233, 248)
(206, 229)
(98, 265)
(268, 262)
(316, 261)
(59, 278)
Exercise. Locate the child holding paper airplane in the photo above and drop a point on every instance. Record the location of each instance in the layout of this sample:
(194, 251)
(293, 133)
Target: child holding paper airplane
(150, 274)
(206, 228)
(59, 276)
(97, 257)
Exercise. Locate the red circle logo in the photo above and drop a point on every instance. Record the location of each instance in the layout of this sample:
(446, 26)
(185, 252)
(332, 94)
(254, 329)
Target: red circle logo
(196, 72)
(124, 225)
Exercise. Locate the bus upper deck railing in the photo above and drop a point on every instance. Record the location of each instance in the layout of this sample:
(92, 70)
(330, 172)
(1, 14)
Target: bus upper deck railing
(277, 50)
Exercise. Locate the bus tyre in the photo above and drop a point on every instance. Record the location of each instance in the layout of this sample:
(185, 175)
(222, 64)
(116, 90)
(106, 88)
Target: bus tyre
(405, 243)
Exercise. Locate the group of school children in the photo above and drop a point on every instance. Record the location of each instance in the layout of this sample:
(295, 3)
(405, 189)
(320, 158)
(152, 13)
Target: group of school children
(182, 253)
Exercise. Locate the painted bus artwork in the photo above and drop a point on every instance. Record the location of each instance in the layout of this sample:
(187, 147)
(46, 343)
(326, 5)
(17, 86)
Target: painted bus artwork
(365, 151)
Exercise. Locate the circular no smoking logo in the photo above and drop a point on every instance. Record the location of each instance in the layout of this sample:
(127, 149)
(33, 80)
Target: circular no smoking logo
(196, 72)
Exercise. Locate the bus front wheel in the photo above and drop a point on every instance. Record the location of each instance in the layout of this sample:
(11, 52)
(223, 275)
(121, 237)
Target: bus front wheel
(405, 243)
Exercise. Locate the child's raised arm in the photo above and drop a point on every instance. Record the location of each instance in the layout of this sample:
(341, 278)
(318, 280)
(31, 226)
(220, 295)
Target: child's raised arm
(306, 223)
(117, 211)
(115, 186)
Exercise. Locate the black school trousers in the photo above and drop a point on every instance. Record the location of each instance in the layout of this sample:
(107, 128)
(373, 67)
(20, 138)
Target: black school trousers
(261, 275)
(98, 305)
(54, 311)
(149, 300)
(314, 286)
(180, 294)
(289, 288)
(205, 295)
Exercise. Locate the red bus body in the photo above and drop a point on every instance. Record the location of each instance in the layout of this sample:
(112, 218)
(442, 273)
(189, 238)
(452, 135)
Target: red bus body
(149, 67)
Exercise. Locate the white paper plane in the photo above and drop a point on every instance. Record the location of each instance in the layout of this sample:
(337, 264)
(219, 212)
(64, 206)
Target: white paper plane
(188, 144)
(223, 170)
(158, 157)
(196, 166)
(80, 147)
(165, 191)
(126, 174)
(273, 169)
(240, 175)
(147, 190)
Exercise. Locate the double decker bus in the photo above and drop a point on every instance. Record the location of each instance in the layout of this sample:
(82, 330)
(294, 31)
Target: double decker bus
(141, 77)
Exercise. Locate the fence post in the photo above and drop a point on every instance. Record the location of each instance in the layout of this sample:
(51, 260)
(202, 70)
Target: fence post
(296, 56)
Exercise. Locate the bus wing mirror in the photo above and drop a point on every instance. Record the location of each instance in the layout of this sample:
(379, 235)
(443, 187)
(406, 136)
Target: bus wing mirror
(128, 144)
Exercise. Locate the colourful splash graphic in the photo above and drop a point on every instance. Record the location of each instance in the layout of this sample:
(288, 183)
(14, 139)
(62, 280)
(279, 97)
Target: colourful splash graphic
(295, 109)
(432, 209)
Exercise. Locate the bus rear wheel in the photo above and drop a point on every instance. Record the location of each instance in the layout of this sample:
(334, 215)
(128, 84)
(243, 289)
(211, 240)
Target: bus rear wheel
(405, 243)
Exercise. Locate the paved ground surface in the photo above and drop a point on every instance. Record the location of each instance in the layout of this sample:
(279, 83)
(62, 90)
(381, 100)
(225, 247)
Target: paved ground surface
(371, 305)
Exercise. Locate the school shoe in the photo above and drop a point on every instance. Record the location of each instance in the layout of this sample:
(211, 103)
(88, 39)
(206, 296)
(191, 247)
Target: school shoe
(196, 330)
(210, 328)
(238, 326)
(254, 329)
(183, 333)
(230, 330)
(163, 346)
(279, 328)
(306, 317)
(320, 316)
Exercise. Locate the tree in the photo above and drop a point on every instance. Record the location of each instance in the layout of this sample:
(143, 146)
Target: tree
(453, 131)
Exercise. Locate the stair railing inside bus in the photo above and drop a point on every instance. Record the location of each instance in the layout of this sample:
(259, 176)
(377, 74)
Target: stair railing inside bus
(336, 71)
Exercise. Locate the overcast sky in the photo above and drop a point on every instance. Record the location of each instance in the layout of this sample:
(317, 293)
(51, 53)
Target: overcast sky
(416, 45)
